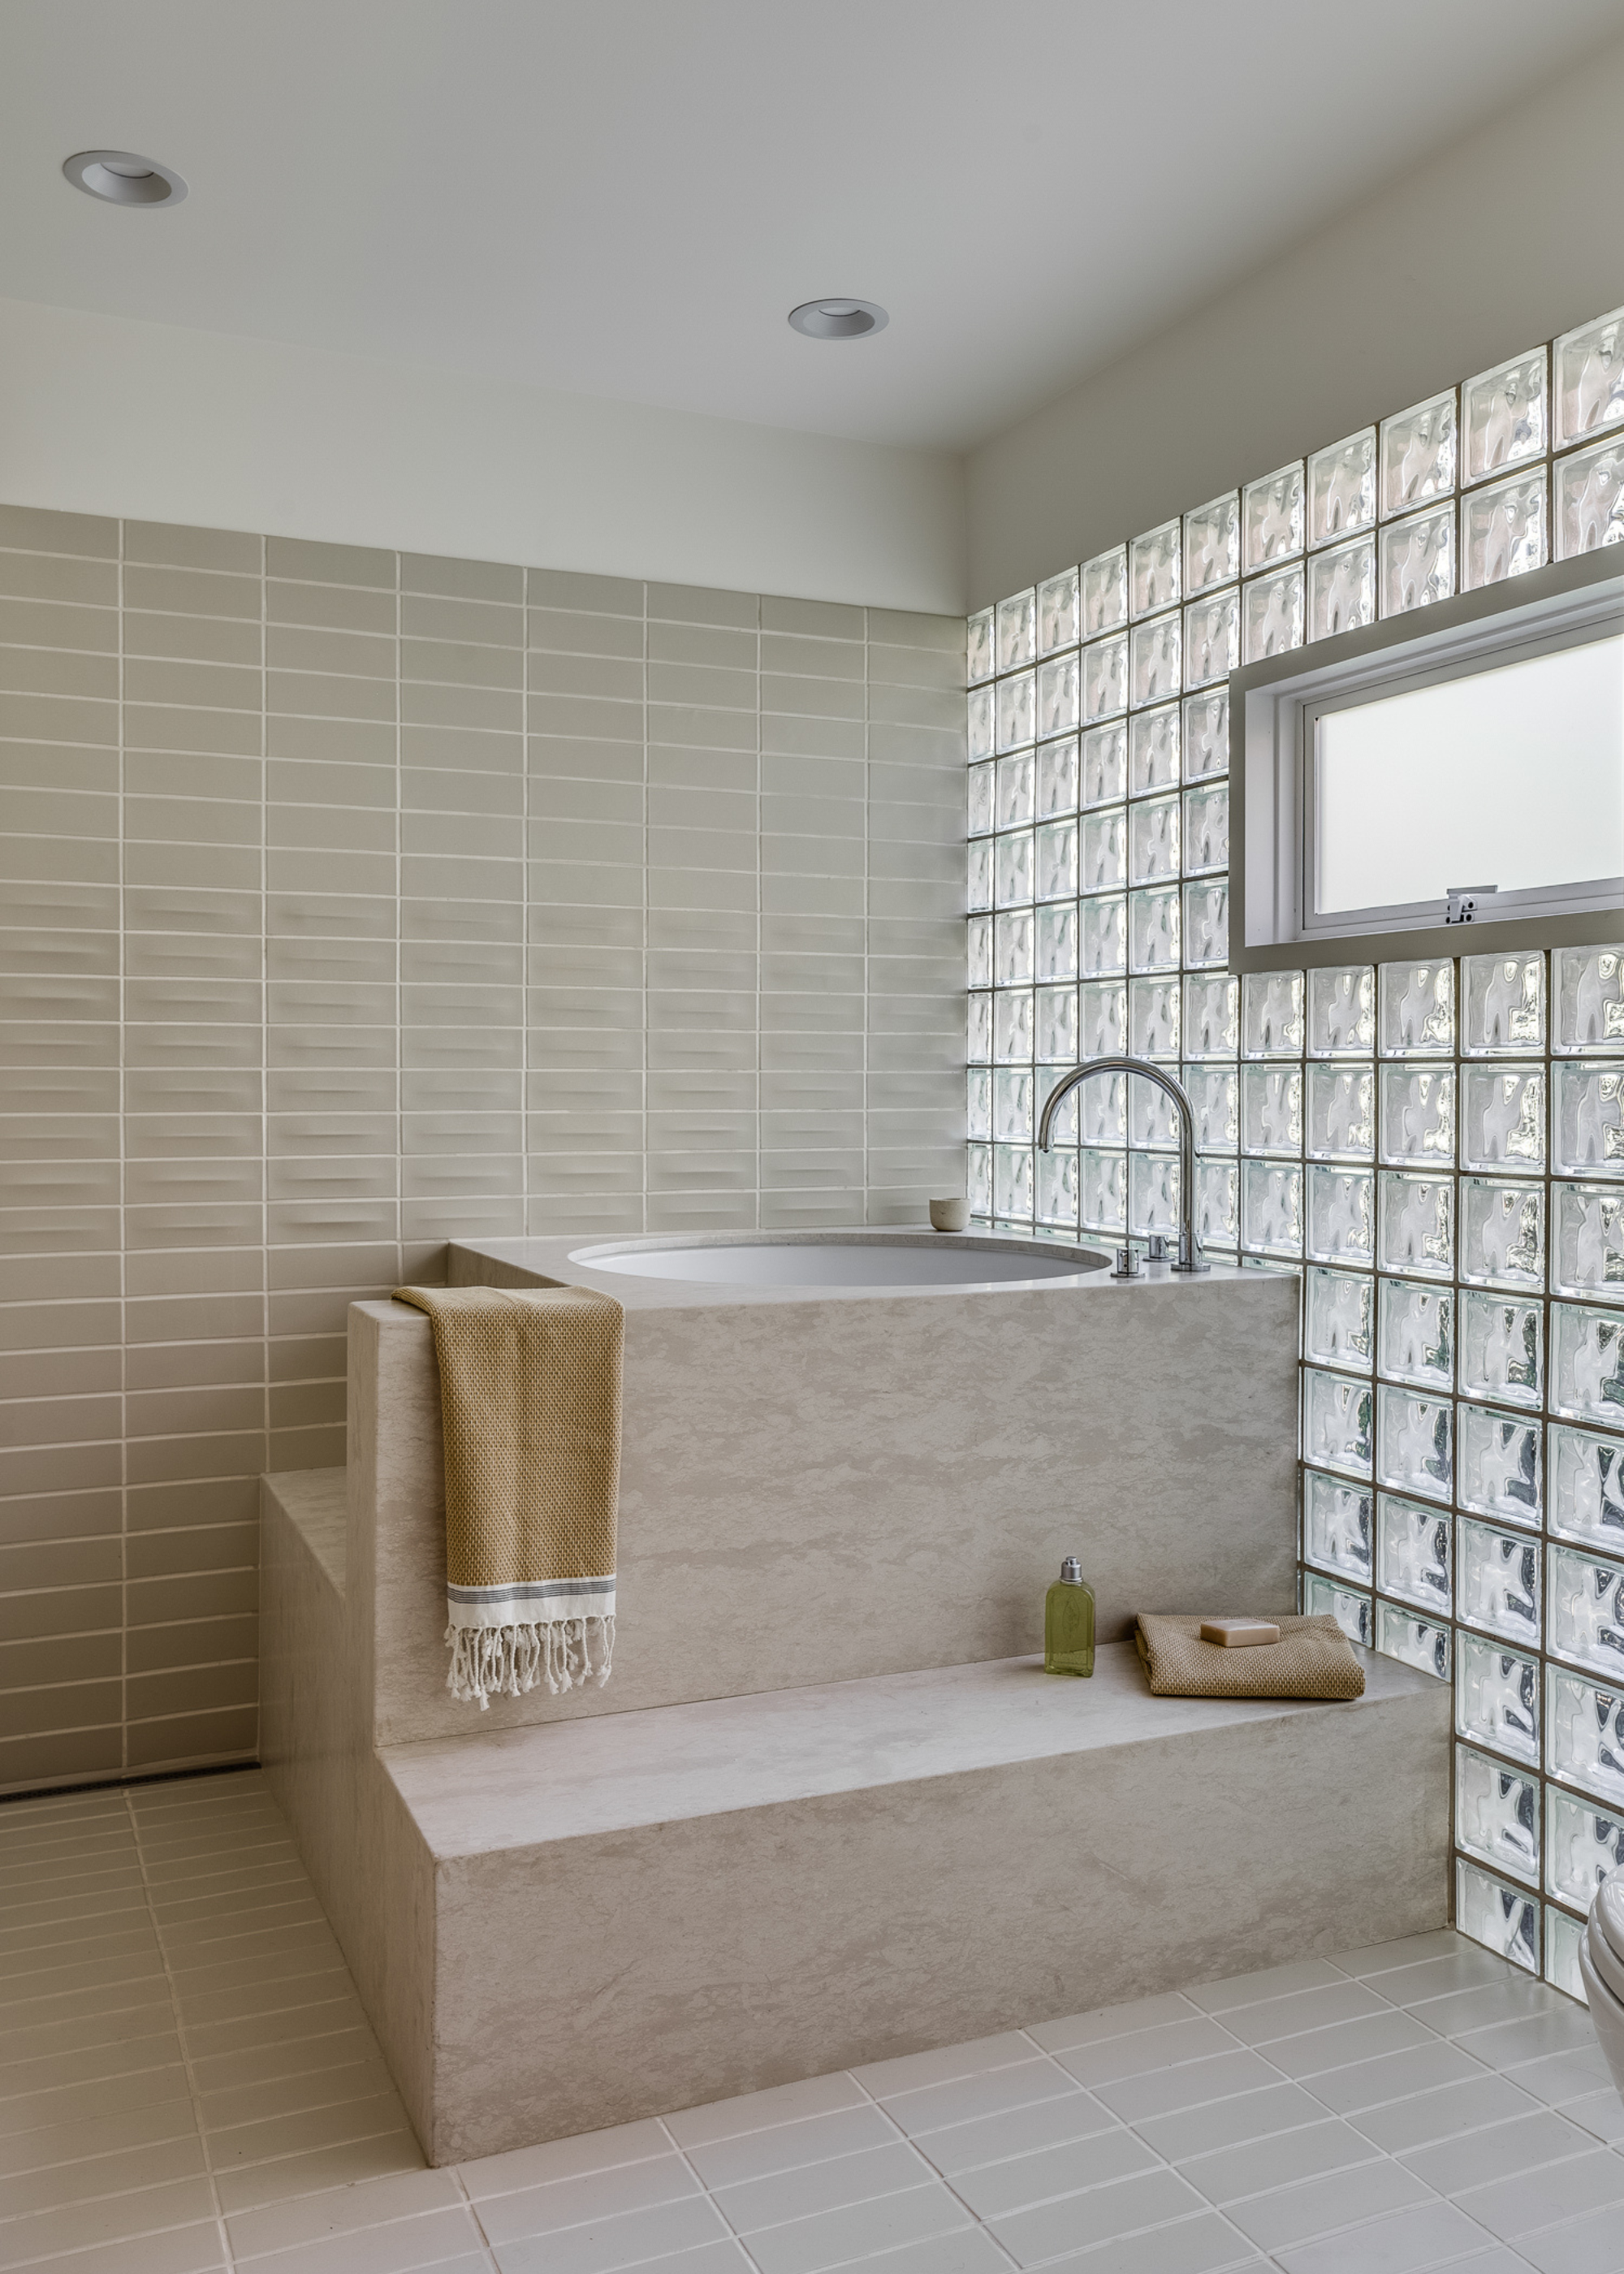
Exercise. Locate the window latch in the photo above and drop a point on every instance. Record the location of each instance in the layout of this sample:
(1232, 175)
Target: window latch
(1463, 901)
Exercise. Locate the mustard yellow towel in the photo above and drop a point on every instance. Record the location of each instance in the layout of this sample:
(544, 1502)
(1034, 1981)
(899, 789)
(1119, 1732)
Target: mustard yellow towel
(1313, 1658)
(530, 1392)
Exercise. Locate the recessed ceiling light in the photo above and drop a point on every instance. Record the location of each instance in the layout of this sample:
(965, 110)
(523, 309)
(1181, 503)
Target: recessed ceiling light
(122, 178)
(839, 319)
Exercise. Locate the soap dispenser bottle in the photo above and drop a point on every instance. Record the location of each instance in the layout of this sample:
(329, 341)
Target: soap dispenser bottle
(1067, 1622)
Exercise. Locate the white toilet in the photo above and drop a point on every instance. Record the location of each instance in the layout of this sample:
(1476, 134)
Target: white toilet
(1601, 1962)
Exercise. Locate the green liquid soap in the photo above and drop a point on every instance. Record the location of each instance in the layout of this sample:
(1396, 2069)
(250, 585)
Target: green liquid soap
(1067, 1622)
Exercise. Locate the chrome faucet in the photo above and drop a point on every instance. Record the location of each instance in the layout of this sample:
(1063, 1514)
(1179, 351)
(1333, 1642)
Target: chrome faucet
(1189, 1246)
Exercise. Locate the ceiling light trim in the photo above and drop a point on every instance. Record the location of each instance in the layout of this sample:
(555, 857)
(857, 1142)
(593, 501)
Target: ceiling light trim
(122, 177)
(836, 316)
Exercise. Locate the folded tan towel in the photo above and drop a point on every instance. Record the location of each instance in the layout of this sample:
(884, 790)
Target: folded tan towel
(530, 1392)
(1313, 1658)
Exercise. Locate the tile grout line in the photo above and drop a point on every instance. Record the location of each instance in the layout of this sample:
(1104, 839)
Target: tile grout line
(940, 2177)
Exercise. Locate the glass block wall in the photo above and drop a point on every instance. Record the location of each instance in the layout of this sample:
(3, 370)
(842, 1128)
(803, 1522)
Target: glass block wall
(1438, 1147)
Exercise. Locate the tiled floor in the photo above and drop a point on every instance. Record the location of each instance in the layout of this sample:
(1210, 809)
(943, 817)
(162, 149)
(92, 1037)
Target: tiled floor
(189, 2083)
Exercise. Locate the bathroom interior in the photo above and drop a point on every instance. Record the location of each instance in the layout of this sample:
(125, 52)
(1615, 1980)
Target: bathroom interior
(737, 1026)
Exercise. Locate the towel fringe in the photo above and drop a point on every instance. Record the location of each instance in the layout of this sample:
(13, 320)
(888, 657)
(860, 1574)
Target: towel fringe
(490, 1662)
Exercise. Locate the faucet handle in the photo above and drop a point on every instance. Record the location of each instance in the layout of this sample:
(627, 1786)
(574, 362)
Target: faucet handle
(1157, 1248)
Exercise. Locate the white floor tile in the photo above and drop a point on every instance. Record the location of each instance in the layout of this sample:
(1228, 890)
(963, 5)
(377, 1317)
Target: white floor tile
(1589, 2245)
(1276, 2111)
(1428, 2235)
(1274, 1982)
(1230, 2173)
(1316, 2207)
(1601, 2113)
(751, 2111)
(1400, 2126)
(1074, 2115)
(593, 2196)
(1312, 2052)
(1302, 2010)
(857, 2178)
(830, 2238)
(883, 2079)
(1515, 2206)
(1203, 2244)
(1382, 1957)
(1146, 2051)
(1427, 2067)
(1476, 2157)
(791, 2147)
(1017, 2086)
(1106, 2213)
(997, 2189)
(1193, 2084)
(1112, 2022)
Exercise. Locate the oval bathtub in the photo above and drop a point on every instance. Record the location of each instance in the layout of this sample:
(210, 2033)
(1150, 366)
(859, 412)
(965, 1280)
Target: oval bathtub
(844, 1259)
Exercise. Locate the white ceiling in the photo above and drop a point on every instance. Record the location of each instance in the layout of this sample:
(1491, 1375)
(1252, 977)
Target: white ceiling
(625, 197)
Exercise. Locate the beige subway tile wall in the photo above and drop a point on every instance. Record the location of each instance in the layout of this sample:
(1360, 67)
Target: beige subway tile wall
(350, 901)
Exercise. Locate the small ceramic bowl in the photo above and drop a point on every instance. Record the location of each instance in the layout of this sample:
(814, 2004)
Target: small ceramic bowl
(949, 1216)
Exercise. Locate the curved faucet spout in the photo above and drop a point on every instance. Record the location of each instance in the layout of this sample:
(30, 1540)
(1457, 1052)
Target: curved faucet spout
(1189, 1246)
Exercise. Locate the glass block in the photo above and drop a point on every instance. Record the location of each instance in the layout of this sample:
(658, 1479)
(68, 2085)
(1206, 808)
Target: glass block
(1496, 1697)
(1337, 1527)
(1272, 1208)
(1215, 1099)
(1415, 1439)
(1338, 1420)
(1587, 1127)
(1012, 868)
(1011, 1026)
(1342, 589)
(1103, 1203)
(979, 864)
(1587, 1612)
(1153, 929)
(1497, 1464)
(1418, 561)
(978, 1174)
(1016, 709)
(1217, 1204)
(1501, 1348)
(1105, 765)
(1212, 544)
(1342, 1011)
(1056, 944)
(1211, 1015)
(1012, 1181)
(1424, 1643)
(980, 819)
(1272, 1110)
(1272, 1015)
(1105, 592)
(1588, 1249)
(1055, 857)
(1502, 1233)
(1212, 638)
(1013, 793)
(1066, 1131)
(1589, 499)
(1153, 1018)
(1059, 624)
(1418, 1114)
(1418, 1334)
(1153, 750)
(1497, 1582)
(1415, 1554)
(978, 722)
(1153, 827)
(1587, 1365)
(1272, 516)
(1057, 1189)
(1156, 669)
(1351, 1612)
(1584, 1845)
(1340, 1210)
(1012, 1106)
(1017, 632)
(1503, 417)
(1153, 1125)
(1152, 571)
(1058, 695)
(1206, 830)
(979, 941)
(1102, 865)
(1272, 615)
(1055, 1025)
(1497, 1813)
(1057, 779)
(1206, 923)
(1590, 1001)
(1563, 1936)
(1342, 1113)
(978, 1102)
(1589, 379)
(1101, 1020)
(1206, 733)
(1416, 1009)
(1417, 1223)
(1587, 1734)
(1105, 679)
(1341, 488)
(1502, 1918)
(1012, 951)
(1587, 1487)
(1503, 531)
(1503, 1118)
(1503, 1004)
(1339, 1322)
(1153, 1194)
(1103, 934)
(979, 1049)
(1418, 455)
(979, 660)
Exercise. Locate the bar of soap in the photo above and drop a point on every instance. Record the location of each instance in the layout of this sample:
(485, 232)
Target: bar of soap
(1238, 1634)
